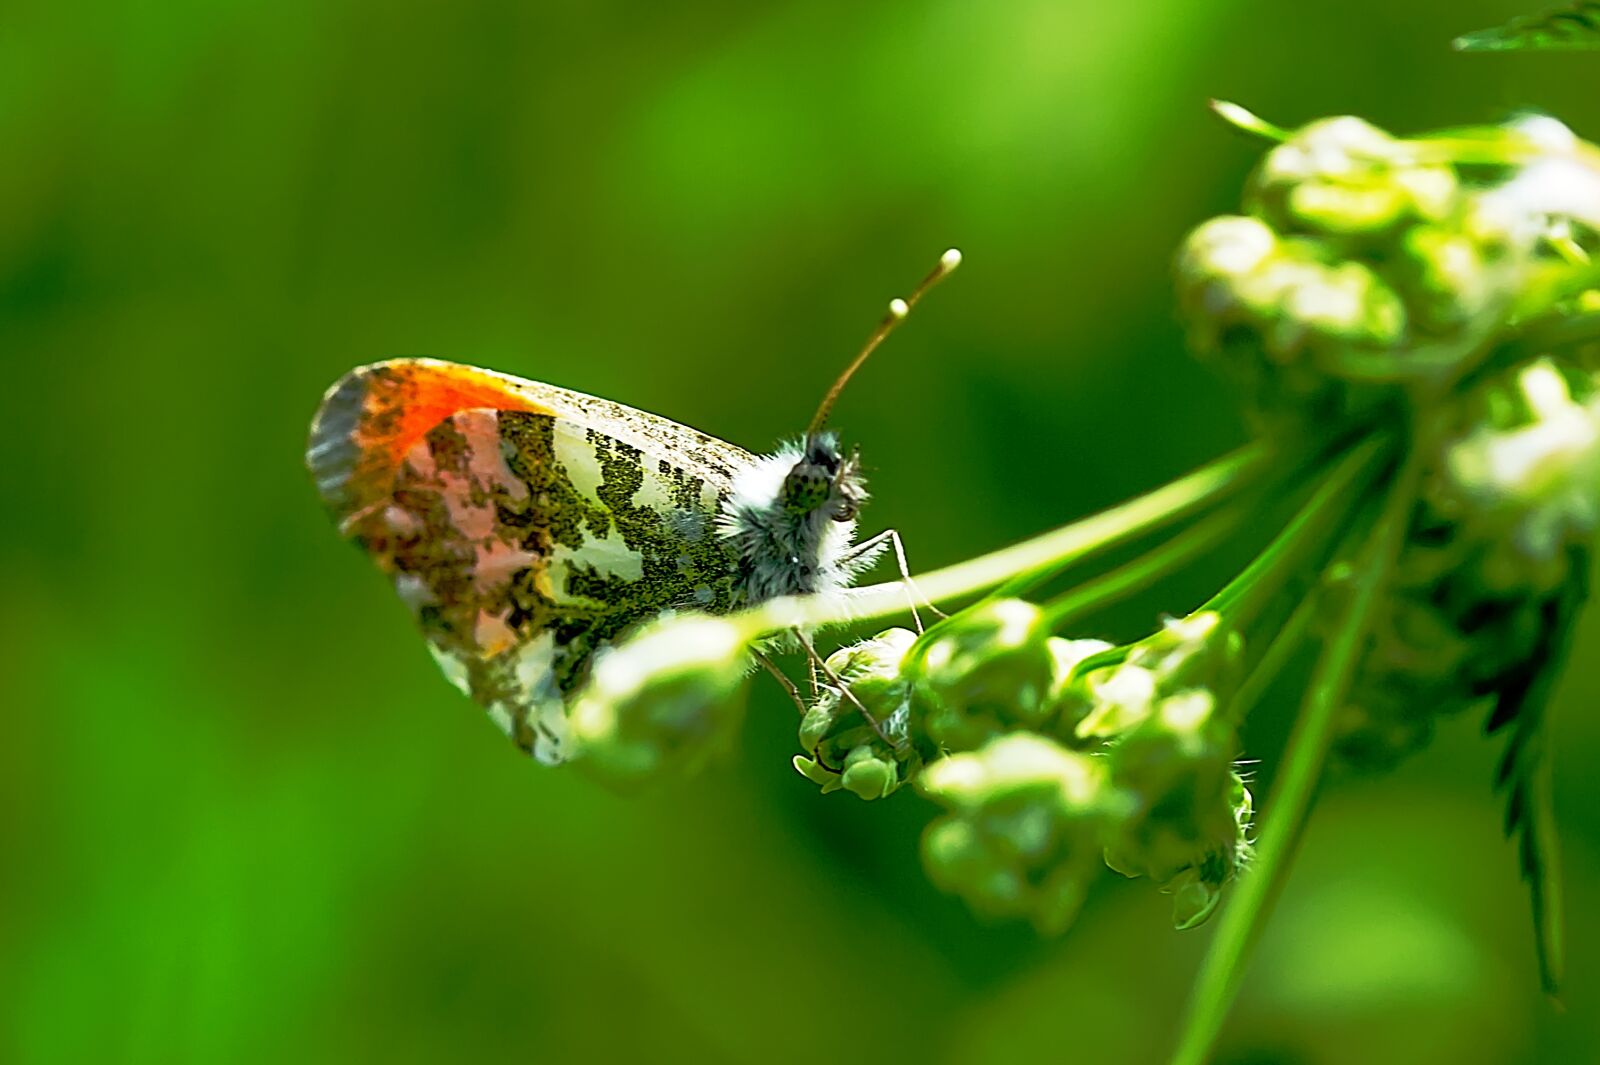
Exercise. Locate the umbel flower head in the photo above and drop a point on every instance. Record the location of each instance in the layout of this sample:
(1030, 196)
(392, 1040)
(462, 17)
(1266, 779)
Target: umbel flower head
(1415, 323)
(1364, 258)
(1526, 476)
(1195, 658)
(990, 670)
(1505, 514)
(1023, 835)
(858, 737)
(662, 701)
(1187, 813)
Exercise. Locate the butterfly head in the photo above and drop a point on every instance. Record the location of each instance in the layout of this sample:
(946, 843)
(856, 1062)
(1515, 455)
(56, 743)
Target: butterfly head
(824, 481)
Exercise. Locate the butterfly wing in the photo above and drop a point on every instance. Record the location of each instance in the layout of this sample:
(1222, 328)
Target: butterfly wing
(524, 525)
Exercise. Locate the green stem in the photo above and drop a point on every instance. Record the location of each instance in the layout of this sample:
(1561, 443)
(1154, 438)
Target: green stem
(1148, 568)
(1042, 554)
(1223, 967)
(1209, 484)
(1310, 533)
(1285, 643)
(1309, 530)
(1545, 336)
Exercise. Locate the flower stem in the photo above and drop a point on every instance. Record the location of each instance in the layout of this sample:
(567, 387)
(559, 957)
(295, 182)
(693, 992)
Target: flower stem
(1285, 642)
(1222, 970)
(1209, 484)
(1021, 565)
(1172, 555)
(1310, 533)
(1311, 528)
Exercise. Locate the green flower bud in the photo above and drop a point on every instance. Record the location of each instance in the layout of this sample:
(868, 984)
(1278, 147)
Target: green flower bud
(1342, 176)
(1022, 838)
(1197, 652)
(1070, 699)
(1187, 810)
(989, 670)
(869, 774)
(845, 751)
(1302, 305)
(662, 701)
(1445, 277)
(1533, 486)
(1290, 300)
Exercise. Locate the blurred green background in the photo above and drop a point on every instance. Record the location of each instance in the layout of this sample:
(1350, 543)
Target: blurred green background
(243, 818)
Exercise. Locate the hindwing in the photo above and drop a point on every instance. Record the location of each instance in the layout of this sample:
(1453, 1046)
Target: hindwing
(524, 525)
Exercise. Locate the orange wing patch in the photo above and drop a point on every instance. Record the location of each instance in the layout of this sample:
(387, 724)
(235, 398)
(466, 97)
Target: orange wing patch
(373, 416)
(523, 535)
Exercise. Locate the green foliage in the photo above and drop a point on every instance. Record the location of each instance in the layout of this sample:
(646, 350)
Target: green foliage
(1432, 297)
(1575, 27)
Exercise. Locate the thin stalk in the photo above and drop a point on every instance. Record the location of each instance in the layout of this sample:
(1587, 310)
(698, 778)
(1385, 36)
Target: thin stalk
(1041, 554)
(1311, 532)
(1194, 542)
(1209, 484)
(1222, 970)
(1288, 639)
(1543, 337)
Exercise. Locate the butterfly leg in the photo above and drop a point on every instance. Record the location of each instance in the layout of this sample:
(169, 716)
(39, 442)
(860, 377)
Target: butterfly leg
(871, 546)
(819, 663)
(783, 679)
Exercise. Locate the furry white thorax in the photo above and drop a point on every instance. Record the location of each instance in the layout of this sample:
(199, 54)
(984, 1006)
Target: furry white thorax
(785, 551)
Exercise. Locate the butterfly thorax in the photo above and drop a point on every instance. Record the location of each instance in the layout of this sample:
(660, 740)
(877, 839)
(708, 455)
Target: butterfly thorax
(789, 520)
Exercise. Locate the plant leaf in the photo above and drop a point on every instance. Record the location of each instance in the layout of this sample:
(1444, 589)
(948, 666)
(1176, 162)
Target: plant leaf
(1524, 773)
(1575, 27)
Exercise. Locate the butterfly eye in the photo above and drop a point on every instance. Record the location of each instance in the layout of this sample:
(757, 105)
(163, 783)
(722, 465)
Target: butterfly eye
(805, 489)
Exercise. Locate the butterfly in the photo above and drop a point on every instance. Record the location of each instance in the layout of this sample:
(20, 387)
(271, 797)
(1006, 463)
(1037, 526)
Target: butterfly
(528, 526)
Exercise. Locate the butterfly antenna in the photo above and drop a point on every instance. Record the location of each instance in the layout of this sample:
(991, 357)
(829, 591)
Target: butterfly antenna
(898, 309)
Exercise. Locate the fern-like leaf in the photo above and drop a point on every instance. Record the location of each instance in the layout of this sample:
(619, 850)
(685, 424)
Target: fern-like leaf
(1524, 773)
(1575, 27)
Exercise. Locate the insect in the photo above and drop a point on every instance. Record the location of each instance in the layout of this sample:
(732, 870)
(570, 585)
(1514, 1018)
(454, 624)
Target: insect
(527, 526)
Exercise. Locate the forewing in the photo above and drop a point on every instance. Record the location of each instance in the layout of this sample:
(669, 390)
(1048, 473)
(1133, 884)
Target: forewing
(524, 525)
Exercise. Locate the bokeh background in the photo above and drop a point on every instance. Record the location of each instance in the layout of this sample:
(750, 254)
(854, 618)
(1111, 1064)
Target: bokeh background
(243, 820)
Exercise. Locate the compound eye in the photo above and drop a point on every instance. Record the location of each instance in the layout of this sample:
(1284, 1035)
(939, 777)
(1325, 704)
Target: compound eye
(805, 489)
(846, 512)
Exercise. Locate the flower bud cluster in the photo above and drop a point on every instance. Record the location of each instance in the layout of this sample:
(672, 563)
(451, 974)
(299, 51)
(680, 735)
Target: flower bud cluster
(847, 751)
(1194, 657)
(1160, 719)
(1512, 500)
(1188, 814)
(1052, 756)
(992, 670)
(1023, 836)
(663, 701)
(1359, 251)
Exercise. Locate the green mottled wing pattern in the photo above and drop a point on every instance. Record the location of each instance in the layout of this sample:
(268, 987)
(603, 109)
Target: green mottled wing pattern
(525, 526)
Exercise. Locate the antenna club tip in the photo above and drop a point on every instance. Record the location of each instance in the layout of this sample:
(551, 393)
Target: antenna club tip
(950, 260)
(898, 309)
